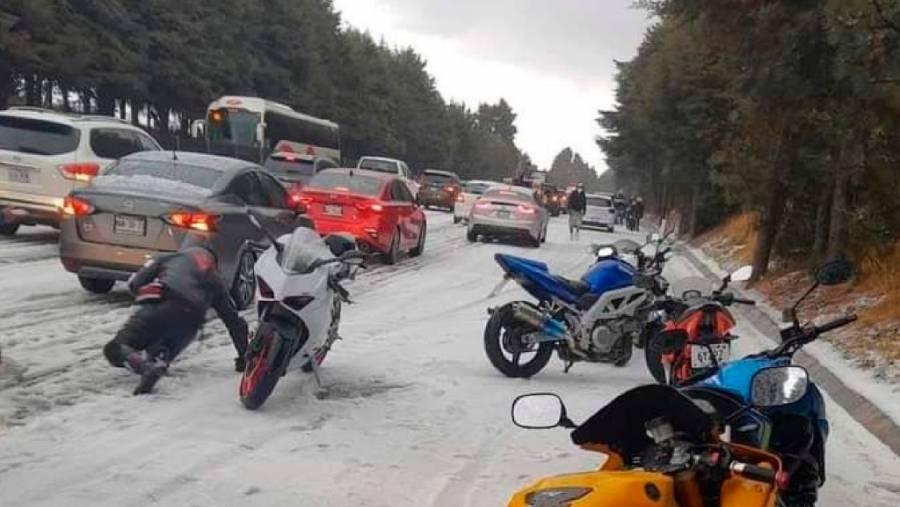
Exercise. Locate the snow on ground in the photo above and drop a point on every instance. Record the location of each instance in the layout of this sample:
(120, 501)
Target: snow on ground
(415, 414)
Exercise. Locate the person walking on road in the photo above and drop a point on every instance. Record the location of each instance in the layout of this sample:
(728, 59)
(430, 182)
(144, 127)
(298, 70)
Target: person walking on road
(638, 212)
(173, 293)
(577, 207)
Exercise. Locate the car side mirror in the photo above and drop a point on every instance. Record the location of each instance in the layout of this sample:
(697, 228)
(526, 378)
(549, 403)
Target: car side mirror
(539, 411)
(777, 386)
(835, 273)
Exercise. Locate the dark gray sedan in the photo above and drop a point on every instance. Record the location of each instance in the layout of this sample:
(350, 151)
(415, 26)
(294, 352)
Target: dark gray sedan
(147, 202)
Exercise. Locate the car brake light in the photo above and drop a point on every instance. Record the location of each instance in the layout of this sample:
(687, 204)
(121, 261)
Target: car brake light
(76, 207)
(79, 172)
(460, 198)
(528, 210)
(203, 222)
(483, 205)
(377, 208)
(264, 290)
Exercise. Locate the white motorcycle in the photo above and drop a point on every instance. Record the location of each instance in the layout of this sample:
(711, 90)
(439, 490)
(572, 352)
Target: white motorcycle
(299, 297)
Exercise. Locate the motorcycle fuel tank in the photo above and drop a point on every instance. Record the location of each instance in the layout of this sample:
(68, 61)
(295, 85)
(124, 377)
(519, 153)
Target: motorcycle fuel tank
(609, 275)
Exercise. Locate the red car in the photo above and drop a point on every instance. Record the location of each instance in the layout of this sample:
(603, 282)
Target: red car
(376, 208)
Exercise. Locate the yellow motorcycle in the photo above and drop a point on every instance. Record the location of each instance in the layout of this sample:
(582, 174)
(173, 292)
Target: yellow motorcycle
(663, 450)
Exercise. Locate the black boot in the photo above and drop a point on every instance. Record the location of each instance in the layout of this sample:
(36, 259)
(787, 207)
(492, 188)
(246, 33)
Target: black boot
(152, 371)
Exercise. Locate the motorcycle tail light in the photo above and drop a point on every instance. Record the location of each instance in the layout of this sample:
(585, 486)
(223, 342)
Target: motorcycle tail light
(298, 303)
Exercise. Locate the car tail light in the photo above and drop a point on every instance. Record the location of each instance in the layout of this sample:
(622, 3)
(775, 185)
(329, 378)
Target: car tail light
(79, 172)
(527, 210)
(76, 207)
(363, 206)
(460, 198)
(197, 221)
(298, 303)
(265, 291)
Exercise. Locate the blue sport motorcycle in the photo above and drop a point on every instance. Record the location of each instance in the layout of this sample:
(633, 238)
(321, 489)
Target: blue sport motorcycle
(768, 403)
(595, 319)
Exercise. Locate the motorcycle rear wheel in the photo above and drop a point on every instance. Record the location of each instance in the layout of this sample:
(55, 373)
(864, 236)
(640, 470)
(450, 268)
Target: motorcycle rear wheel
(503, 333)
(263, 368)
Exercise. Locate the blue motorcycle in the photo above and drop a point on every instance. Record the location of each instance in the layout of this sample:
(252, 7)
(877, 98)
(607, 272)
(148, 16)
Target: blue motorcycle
(787, 417)
(595, 319)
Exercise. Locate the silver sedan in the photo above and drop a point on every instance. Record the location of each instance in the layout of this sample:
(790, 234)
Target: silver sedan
(509, 212)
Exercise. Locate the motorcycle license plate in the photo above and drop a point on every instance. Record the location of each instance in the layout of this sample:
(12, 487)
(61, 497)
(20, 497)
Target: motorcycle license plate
(334, 210)
(701, 358)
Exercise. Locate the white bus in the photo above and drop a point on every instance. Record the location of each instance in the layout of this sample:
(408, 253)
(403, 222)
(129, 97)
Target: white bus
(252, 128)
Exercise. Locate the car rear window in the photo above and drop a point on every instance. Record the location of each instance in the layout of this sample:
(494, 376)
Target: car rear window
(383, 166)
(115, 143)
(476, 188)
(344, 182)
(298, 167)
(26, 135)
(438, 178)
(507, 194)
(600, 202)
(197, 176)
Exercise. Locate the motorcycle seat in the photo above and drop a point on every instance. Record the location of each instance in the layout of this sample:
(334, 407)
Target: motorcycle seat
(576, 286)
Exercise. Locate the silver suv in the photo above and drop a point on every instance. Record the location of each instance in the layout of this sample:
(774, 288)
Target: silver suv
(46, 154)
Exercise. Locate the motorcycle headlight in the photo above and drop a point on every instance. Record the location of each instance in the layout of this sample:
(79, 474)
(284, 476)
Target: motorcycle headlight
(555, 497)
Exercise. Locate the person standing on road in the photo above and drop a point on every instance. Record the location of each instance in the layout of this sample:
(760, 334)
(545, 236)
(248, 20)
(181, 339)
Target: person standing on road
(638, 212)
(173, 291)
(577, 207)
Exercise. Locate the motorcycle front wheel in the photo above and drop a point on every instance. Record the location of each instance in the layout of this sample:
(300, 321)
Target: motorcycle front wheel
(506, 348)
(263, 369)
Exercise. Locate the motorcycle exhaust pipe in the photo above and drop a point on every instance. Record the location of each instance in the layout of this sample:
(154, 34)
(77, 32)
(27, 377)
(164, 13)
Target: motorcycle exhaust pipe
(539, 320)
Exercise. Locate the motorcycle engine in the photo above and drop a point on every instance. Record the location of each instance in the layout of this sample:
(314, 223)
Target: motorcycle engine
(606, 334)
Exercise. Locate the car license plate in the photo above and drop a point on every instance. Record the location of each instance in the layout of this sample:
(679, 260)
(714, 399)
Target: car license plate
(18, 175)
(503, 214)
(700, 357)
(133, 226)
(334, 210)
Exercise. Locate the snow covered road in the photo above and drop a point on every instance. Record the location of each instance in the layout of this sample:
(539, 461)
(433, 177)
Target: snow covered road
(415, 415)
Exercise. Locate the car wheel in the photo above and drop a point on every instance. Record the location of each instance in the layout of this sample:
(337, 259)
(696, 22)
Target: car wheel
(393, 254)
(471, 235)
(96, 285)
(8, 229)
(457, 220)
(534, 242)
(244, 287)
(544, 236)
(420, 247)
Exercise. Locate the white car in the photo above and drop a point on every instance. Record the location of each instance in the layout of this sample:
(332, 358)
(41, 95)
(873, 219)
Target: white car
(45, 154)
(509, 212)
(472, 190)
(600, 212)
(390, 166)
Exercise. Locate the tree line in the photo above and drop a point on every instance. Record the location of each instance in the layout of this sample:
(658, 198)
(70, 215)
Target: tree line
(785, 109)
(161, 62)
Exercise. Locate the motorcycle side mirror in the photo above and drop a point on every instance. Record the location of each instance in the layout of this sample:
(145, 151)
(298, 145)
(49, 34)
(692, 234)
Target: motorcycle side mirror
(743, 274)
(835, 273)
(778, 386)
(540, 411)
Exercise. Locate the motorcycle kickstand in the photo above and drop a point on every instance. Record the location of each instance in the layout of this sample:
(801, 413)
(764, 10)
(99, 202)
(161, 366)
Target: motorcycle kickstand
(321, 392)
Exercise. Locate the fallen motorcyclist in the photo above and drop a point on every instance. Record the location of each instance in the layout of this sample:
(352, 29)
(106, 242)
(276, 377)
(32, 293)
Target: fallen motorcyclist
(173, 293)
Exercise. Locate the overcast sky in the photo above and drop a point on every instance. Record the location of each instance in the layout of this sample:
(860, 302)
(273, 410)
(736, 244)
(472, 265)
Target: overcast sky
(551, 59)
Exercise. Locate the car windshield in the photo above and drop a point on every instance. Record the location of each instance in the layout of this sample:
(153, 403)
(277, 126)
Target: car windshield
(600, 202)
(346, 182)
(38, 137)
(301, 249)
(477, 188)
(168, 177)
(382, 166)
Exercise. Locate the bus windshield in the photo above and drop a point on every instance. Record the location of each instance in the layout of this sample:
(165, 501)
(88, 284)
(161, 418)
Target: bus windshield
(236, 126)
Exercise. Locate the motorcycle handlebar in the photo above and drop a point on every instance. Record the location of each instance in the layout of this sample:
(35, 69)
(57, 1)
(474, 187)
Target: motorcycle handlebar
(753, 472)
(831, 326)
(742, 301)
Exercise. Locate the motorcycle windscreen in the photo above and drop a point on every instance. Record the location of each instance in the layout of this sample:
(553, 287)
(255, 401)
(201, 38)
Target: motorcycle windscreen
(302, 249)
(620, 425)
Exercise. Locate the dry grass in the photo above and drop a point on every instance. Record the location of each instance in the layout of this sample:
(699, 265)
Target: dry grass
(734, 238)
(880, 276)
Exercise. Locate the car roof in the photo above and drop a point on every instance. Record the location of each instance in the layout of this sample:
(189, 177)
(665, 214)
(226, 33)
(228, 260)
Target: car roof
(483, 182)
(512, 188)
(224, 164)
(441, 173)
(605, 196)
(383, 159)
(70, 119)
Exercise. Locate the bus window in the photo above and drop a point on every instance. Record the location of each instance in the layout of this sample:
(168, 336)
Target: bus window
(235, 125)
